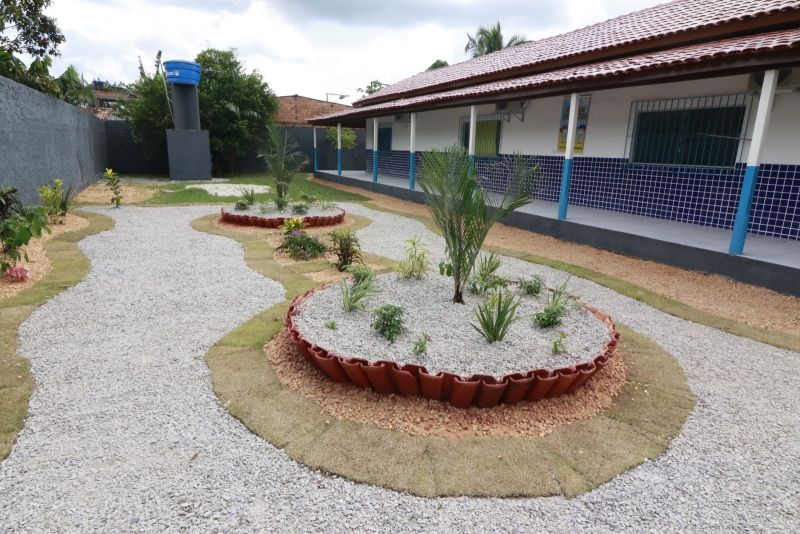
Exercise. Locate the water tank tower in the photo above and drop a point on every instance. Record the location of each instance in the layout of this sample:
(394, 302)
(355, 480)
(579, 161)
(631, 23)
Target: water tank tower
(187, 145)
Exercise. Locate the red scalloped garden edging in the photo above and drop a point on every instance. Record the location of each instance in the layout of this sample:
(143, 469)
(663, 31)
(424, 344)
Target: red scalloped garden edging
(483, 391)
(276, 222)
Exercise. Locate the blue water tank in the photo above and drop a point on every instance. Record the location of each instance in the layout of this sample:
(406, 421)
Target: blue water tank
(182, 72)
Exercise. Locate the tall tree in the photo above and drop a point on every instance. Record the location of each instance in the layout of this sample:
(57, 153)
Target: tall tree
(373, 86)
(73, 88)
(438, 64)
(236, 107)
(488, 40)
(25, 28)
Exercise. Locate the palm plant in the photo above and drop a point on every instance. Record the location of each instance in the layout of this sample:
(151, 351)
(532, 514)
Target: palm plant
(283, 159)
(463, 210)
(73, 88)
(488, 40)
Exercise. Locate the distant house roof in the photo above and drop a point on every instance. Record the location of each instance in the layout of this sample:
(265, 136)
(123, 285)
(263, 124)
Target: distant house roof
(295, 110)
(667, 25)
(725, 56)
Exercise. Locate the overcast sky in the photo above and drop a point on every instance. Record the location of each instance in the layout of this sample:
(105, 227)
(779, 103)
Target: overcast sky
(306, 47)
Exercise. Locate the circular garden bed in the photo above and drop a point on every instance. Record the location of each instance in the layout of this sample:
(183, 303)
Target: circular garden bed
(272, 218)
(458, 365)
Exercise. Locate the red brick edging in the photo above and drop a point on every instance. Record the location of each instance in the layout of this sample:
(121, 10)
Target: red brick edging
(483, 391)
(276, 222)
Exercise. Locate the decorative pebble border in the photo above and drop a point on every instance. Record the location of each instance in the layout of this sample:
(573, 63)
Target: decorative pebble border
(275, 222)
(483, 391)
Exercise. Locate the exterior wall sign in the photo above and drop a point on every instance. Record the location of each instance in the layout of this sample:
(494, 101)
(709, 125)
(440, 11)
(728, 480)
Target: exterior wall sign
(583, 118)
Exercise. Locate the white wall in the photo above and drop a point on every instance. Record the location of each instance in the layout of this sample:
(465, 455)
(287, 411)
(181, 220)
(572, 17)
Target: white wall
(607, 128)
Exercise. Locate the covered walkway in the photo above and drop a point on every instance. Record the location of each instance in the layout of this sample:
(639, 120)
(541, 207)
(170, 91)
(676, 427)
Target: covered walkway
(766, 261)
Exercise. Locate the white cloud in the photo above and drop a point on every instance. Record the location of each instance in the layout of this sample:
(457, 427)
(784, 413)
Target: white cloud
(306, 47)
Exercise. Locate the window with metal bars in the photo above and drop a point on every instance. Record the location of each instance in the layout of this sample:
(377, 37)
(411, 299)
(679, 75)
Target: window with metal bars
(700, 131)
(487, 137)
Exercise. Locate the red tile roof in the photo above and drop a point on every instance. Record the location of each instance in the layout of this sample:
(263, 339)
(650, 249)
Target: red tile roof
(683, 20)
(751, 45)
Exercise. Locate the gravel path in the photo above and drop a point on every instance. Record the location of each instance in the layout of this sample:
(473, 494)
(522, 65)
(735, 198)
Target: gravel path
(454, 345)
(229, 190)
(124, 432)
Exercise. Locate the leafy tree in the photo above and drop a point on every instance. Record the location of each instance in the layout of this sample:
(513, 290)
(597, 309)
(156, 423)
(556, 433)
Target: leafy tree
(488, 40)
(24, 28)
(235, 107)
(373, 86)
(147, 112)
(283, 159)
(438, 64)
(349, 139)
(463, 210)
(73, 88)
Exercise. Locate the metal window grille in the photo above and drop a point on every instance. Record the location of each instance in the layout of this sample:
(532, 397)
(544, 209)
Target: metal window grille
(384, 139)
(703, 131)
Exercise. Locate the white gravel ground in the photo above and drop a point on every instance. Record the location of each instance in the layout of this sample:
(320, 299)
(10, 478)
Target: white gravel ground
(454, 345)
(125, 434)
(269, 210)
(228, 190)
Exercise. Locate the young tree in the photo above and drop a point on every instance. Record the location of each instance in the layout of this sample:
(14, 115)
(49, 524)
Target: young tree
(463, 210)
(438, 64)
(24, 28)
(283, 159)
(349, 139)
(373, 86)
(488, 40)
(235, 107)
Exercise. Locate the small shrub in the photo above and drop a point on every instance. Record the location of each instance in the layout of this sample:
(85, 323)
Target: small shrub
(281, 203)
(57, 201)
(292, 224)
(112, 181)
(353, 295)
(416, 263)
(531, 286)
(17, 274)
(557, 305)
(361, 272)
(263, 208)
(548, 317)
(248, 195)
(445, 268)
(344, 244)
(485, 277)
(559, 344)
(388, 321)
(330, 325)
(241, 205)
(301, 246)
(327, 205)
(16, 231)
(308, 198)
(495, 316)
(300, 208)
(421, 345)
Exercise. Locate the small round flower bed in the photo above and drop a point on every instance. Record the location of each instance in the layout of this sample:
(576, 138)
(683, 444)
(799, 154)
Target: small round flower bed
(455, 363)
(315, 216)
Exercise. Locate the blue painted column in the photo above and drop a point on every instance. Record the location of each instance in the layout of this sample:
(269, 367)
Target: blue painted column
(339, 148)
(566, 173)
(375, 151)
(314, 134)
(412, 154)
(760, 126)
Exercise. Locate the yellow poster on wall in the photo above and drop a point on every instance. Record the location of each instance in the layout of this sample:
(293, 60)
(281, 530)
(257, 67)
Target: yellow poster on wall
(583, 118)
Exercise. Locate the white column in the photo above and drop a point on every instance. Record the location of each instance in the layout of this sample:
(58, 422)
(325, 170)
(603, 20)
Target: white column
(412, 149)
(314, 134)
(763, 113)
(374, 135)
(338, 136)
(412, 143)
(572, 125)
(473, 125)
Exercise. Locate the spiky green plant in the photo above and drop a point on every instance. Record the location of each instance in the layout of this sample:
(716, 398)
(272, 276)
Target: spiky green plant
(463, 210)
(353, 296)
(485, 277)
(416, 264)
(248, 195)
(283, 158)
(495, 315)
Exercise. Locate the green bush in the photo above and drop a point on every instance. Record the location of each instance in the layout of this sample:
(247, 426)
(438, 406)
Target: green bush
(300, 208)
(361, 272)
(308, 198)
(301, 246)
(421, 345)
(557, 305)
(485, 277)
(16, 231)
(344, 244)
(495, 315)
(531, 286)
(57, 201)
(241, 205)
(112, 181)
(353, 295)
(388, 321)
(281, 203)
(416, 263)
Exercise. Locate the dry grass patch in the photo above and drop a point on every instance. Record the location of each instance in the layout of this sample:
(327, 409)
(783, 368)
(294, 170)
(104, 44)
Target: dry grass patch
(69, 266)
(98, 193)
(716, 301)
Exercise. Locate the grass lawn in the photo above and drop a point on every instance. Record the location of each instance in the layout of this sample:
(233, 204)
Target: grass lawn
(177, 193)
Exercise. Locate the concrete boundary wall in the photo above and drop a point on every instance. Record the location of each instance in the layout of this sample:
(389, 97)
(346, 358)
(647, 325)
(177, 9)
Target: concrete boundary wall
(43, 138)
